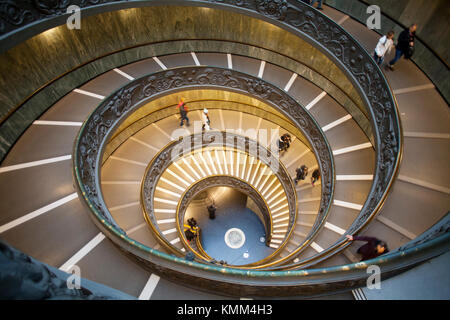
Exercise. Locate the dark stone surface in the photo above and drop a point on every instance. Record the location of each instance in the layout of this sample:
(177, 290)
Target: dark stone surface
(24, 278)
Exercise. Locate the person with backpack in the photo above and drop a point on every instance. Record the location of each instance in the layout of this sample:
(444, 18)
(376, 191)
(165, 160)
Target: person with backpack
(183, 109)
(405, 45)
(315, 176)
(191, 229)
(301, 173)
(384, 46)
(284, 142)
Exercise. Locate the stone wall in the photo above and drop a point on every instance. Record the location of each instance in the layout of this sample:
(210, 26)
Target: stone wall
(68, 58)
(433, 31)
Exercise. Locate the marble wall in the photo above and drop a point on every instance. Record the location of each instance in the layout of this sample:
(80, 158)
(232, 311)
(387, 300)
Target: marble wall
(68, 58)
(165, 106)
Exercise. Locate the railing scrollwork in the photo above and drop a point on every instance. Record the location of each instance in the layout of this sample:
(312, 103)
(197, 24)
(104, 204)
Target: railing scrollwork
(380, 104)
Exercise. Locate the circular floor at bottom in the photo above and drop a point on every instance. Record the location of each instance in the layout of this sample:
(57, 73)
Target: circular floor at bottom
(232, 217)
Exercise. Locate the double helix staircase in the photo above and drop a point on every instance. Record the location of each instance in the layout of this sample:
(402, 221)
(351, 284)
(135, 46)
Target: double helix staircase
(53, 226)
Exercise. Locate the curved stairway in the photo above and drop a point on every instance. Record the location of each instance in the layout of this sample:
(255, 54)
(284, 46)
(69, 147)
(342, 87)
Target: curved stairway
(118, 170)
(209, 163)
(38, 168)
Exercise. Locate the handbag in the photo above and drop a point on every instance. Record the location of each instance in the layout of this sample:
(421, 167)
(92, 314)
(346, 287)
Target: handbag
(409, 53)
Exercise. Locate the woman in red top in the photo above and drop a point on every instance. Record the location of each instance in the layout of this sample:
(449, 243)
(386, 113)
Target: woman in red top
(183, 112)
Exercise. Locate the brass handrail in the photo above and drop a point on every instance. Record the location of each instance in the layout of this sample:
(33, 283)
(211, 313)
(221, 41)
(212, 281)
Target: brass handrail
(171, 145)
(343, 243)
(180, 215)
(278, 121)
(368, 80)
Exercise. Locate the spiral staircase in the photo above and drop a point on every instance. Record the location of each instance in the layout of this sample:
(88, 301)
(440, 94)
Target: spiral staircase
(138, 246)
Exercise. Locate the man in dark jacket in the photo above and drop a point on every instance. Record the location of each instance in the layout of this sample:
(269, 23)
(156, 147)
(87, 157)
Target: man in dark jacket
(284, 142)
(372, 249)
(301, 173)
(315, 176)
(212, 211)
(405, 45)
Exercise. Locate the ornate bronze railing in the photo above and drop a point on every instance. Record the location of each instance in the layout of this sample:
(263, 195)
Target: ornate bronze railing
(336, 43)
(188, 144)
(97, 129)
(305, 283)
(368, 79)
(236, 184)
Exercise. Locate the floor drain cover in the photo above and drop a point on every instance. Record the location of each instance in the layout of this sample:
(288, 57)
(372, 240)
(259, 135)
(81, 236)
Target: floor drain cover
(235, 238)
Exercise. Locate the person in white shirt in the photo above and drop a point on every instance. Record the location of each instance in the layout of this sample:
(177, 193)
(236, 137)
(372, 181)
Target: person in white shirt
(205, 120)
(384, 46)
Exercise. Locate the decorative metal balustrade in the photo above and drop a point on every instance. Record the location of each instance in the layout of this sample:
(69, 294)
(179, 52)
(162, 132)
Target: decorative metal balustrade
(236, 184)
(310, 25)
(380, 104)
(224, 140)
(101, 124)
(364, 73)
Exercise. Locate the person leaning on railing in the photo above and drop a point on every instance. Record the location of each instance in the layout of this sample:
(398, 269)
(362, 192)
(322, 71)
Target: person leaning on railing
(284, 142)
(372, 249)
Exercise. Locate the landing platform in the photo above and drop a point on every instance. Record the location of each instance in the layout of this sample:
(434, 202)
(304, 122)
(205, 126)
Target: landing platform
(246, 235)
